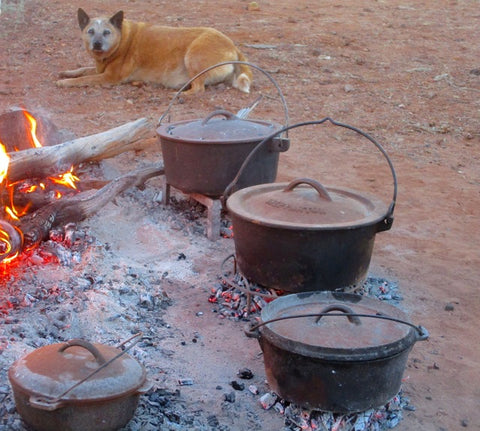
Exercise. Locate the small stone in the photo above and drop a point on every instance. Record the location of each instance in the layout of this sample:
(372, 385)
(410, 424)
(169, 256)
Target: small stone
(245, 373)
(348, 88)
(279, 408)
(441, 77)
(147, 301)
(464, 423)
(268, 400)
(449, 307)
(253, 6)
(237, 386)
(230, 397)
(213, 421)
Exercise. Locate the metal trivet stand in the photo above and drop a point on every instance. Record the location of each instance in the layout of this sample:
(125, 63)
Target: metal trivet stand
(372, 286)
(248, 288)
(214, 209)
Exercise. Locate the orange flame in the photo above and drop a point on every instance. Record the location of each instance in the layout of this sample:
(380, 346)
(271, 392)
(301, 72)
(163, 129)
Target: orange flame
(11, 211)
(30, 189)
(4, 162)
(67, 179)
(11, 240)
(6, 247)
(33, 129)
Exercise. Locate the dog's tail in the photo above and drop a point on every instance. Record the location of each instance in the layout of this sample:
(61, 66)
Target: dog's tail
(243, 75)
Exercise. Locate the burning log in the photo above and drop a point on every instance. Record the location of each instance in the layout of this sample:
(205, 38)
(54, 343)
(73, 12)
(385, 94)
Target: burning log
(44, 161)
(39, 181)
(36, 226)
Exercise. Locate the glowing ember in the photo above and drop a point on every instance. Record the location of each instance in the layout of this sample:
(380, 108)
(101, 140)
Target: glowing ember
(12, 213)
(28, 188)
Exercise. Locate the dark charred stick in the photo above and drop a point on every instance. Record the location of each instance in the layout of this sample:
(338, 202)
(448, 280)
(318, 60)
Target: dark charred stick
(37, 199)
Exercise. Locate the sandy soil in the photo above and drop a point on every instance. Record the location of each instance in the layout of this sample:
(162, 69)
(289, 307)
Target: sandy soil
(407, 72)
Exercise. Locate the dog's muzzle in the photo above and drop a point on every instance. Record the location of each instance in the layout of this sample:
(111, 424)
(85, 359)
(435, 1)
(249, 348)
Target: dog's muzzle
(97, 46)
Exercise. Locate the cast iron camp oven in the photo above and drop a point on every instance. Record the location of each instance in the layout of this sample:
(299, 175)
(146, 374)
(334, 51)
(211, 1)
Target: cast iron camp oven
(302, 235)
(335, 351)
(77, 386)
(204, 155)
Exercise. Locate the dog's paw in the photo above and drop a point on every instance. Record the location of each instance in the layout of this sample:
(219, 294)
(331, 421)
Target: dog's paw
(67, 83)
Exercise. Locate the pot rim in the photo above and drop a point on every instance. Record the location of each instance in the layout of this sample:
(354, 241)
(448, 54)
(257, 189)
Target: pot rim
(51, 404)
(166, 137)
(388, 349)
(379, 211)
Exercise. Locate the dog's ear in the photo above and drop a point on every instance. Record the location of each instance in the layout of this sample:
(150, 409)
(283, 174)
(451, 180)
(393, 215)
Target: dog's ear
(117, 19)
(83, 18)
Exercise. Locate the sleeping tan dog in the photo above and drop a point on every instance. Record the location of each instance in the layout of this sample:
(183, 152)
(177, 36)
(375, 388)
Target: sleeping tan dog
(126, 51)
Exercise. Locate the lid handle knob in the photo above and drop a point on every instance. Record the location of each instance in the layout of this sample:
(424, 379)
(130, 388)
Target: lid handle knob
(350, 315)
(86, 345)
(227, 114)
(322, 191)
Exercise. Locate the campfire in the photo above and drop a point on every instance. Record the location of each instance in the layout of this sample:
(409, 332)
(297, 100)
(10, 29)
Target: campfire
(22, 197)
(38, 181)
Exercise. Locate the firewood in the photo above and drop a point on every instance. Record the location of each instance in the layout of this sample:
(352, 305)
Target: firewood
(37, 225)
(46, 161)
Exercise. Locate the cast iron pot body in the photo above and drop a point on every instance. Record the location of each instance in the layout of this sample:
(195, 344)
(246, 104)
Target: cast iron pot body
(303, 236)
(105, 402)
(315, 373)
(284, 241)
(203, 156)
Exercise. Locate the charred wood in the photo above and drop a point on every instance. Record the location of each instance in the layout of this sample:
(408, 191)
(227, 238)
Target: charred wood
(37, 225)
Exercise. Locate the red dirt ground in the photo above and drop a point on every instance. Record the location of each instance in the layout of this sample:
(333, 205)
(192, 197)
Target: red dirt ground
(407, 72)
